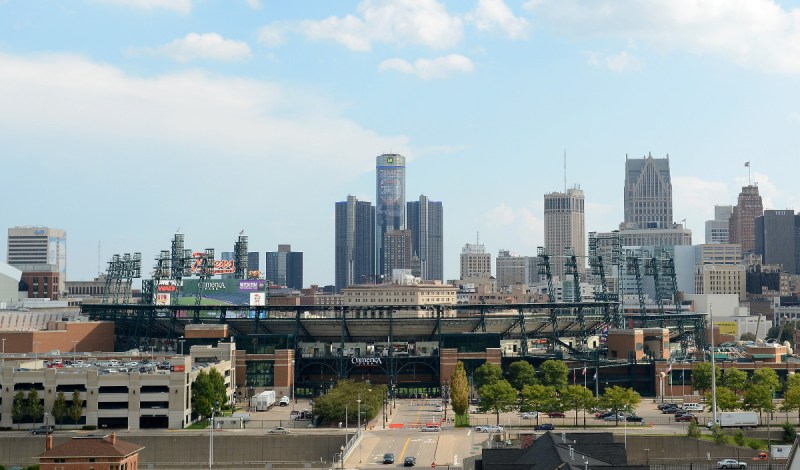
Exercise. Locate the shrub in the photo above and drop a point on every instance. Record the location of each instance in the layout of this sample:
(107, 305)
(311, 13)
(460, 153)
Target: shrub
(789, 432)
(89, 427)
(694, 430)
(718, 435)
(739, 438)
(753, 444)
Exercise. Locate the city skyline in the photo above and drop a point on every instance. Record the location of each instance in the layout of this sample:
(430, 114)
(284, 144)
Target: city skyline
(107, 131)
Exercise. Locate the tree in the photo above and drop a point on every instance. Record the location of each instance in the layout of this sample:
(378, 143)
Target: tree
(758, 397)
(76, 407)
(726, 399)
(789, 432)
(554, 373)
(459, 390)
(735, 379)
(694, 430)
(520, 374)
(202, 395)
(701, 376)
(791, 398)
(620, 399)
(577, 397)
(218, 389)
(793, 380)
(498, 397)
(486, 374)
(748, 337)
(786, 335)
(18, 411)
(341, 404)
(59, 408)
(766, 377)
(538, 397)
(34, 406)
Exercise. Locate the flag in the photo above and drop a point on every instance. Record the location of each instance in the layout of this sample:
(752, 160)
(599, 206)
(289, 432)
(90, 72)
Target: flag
(584, 370)
(595, 376)
(669, 369)
(747, 164)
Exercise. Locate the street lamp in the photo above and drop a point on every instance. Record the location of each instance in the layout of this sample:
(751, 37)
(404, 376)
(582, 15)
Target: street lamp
(341, 457)
(181, 341)
(4, 352)
(211, 437)
(74, 349)
(294, 395)
(35, 353)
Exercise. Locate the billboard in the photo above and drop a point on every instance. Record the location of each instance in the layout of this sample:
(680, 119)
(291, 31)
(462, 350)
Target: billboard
(221, 266)
(251, 285)
(257, 299)
(162, 298)
(727, 327)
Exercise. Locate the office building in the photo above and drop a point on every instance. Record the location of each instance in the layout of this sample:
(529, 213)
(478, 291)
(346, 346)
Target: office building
(227, 256)
(425, 221)
(564, 229)
(42, 252)
(513, 270)
(476, 262)
(397, 251)
(390, 197)
(776, 234)
(717, 230)
(285, 267)
(253, 263)
(719, 270)
(743, 219)
(648, 193)
(675, 235)
(355, 242)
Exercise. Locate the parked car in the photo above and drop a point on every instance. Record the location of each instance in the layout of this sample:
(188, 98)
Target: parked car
(634, 419)
(617, 417)
(284, 401)
(731, 463)
(42, 430)
(544, 427)
(556, 414)
(686, 418)
(529, 415)
(605, 415)
(492, 428)
(661, 406)
(431, 428)
(409, 461)
(670, 411)
(481, 429)
(388, 458)
(279, 430)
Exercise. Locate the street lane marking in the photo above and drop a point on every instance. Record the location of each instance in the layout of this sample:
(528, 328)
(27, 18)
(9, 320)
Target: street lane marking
(402, 452)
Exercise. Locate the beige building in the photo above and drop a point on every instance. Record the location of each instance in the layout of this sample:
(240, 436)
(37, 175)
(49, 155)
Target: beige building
(476, 262)
(719, 270)
(398, 294)
(675, 235)
(513, 269)
(564, 228)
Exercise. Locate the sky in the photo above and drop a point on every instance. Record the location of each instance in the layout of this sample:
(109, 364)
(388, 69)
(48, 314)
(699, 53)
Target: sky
(123, 121)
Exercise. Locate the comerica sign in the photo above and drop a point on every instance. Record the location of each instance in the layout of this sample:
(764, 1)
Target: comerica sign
(366, 361)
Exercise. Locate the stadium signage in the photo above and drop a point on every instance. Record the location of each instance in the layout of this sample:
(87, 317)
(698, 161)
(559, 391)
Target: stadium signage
(166, 288)
(212, 285)
(366, 361)
(221, 266)
(251, 285)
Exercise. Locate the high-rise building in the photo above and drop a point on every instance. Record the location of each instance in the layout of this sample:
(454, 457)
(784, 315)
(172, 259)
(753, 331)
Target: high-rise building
(390, 196)
(564, 228)
(40, 250)
(227, 256)
(743, 219)
(776, 236)
(397, 251)
(285, 267)
(719, 270)
(648, 193)
(425, 220)
(355, 242)
(476, 262)
(513, 269)
(717, 230)
(253, 261)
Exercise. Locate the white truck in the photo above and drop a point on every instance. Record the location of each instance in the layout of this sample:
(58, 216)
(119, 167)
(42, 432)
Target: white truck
(736, 419)
(263, 401)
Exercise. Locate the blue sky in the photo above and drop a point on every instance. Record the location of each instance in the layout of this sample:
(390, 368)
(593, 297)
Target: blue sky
(122, 120)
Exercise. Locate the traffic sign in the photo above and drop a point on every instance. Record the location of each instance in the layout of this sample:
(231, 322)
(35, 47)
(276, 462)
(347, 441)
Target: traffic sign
(433, 464)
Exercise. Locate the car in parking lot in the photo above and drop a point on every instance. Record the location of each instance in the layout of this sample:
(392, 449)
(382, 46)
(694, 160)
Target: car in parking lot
(556, 414)
(409, 461)
(634, 419)
(544, 427)
(279, 430)
(42, 430)
(613, 417)
(388, 458)
(731, 463)
(493, 428)
(686, 418)
(529, 415)
(431, 428)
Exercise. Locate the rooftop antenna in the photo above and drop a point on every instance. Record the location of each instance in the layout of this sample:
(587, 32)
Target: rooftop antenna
(478, 237)
(565, 171)
(747, 164)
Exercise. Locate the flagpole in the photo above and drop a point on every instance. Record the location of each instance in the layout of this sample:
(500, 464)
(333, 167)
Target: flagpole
(584, 400)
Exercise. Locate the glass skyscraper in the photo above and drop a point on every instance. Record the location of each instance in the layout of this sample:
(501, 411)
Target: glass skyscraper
(355, 242)
(425, 221)
(390, 208)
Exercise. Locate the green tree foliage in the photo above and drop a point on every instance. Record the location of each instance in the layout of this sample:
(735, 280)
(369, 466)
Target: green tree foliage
(748, 337)
(620, 399)
(786, 335)
(738, 438)
(520, 374)
(693, 430)
(340, 403)
(701, 376)
(538, 397)
(486, 374)
(554, 373)
(220, 392)
(34, 406)
(498, 397)
(757, 398)
(18, 411)
(208, 392)
(791, 397)
(718, 434)
(766, 377)
(76, 407)
(459, 390)
(793, 380)
(577, 397)
(726, 399)
(59, 408)
(735, 379)
(789, 432)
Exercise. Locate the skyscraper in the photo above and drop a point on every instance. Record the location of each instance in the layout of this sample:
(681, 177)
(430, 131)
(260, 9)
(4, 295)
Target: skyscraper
(397, 251)
(564, 227)
(390, 196)
(743, 219)
(476, 262)
(425, 221)
(355, 242)
(776, 239)
(648, 193)
(253, 261)
(718, 230)
(285, 267)
(513, 269)
(40, 250)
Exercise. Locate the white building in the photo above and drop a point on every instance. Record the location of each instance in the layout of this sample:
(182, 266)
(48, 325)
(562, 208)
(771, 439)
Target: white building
(564, 228)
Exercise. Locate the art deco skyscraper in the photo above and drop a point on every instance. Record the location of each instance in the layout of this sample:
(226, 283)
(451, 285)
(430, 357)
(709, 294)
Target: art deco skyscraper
(743, 220)
(564, 227)
(390, 196)
(355, 242)
(648, 193)
(425, 220)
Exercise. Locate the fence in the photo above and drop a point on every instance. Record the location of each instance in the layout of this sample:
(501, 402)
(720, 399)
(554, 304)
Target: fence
(713, 466)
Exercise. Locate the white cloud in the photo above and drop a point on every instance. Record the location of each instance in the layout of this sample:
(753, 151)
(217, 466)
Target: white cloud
(492, 15)
(500, 216)
(429, 69)
(697, 199)
(204, 46)
(418, 22)
(618, 63)
(759, 34)
(182, 6)
(274, 34)
(254, 4)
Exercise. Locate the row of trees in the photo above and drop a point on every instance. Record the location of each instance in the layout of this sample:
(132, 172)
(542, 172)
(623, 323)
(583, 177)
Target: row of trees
(524, 388)
(30, 407)
(340, 404)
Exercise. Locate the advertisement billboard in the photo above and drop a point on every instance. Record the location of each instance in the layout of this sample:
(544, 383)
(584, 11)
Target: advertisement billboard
(162, 298)
(257, 299)
(727, 327)
(251, 285)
